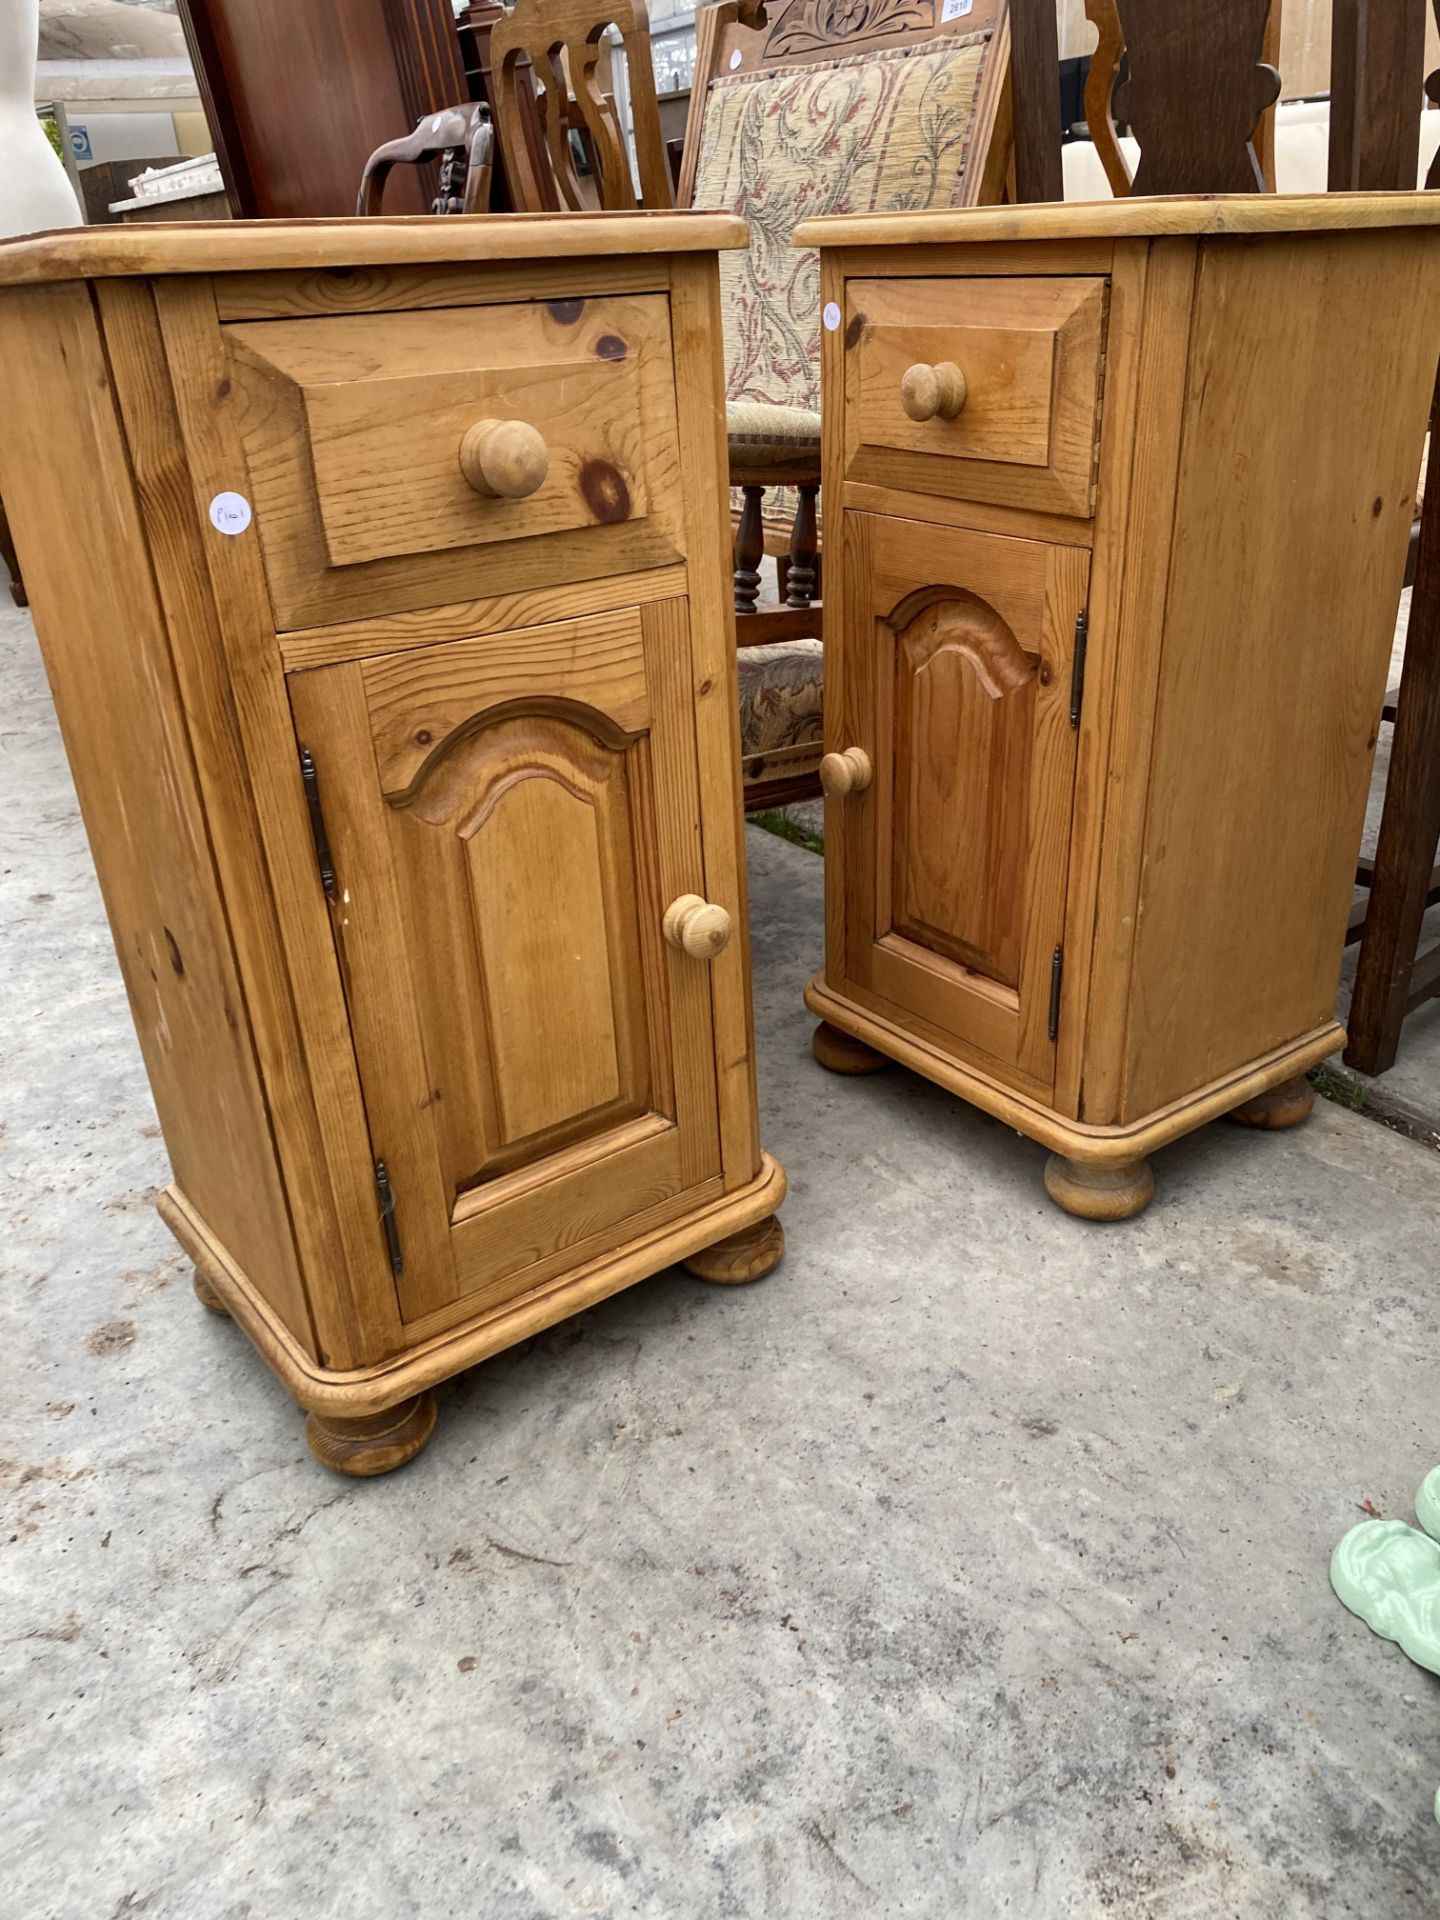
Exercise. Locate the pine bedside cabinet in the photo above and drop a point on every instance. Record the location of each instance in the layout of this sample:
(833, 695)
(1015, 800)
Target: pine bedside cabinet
(1118, 500)
(381, 570)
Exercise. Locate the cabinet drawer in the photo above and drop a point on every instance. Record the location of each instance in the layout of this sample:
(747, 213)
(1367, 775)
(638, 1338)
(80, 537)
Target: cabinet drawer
(976, 389)
(400, 460)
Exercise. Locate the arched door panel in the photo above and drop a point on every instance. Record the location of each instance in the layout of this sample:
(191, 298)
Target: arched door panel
(954, 675)
(509, 819)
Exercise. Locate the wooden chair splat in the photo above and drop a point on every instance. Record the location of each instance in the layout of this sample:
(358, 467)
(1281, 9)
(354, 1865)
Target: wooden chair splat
(1107, 70)
(1208, 55)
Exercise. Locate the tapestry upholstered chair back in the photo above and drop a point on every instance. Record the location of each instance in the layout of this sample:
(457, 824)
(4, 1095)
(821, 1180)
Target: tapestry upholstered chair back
(801, 108)
(888, 128)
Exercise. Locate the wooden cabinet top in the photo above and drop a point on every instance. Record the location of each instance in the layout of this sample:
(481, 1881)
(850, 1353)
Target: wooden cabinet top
(227, 246)
(1127, 219)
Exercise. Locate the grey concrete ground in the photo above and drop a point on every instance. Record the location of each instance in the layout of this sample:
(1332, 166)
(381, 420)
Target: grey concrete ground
(974, 1564)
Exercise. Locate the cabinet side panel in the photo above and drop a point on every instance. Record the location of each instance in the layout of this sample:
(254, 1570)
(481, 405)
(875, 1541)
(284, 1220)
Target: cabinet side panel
(65, 474)
(1311, 365)
(1132, 574)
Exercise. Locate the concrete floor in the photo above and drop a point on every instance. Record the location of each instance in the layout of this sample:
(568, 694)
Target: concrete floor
(974, 1564)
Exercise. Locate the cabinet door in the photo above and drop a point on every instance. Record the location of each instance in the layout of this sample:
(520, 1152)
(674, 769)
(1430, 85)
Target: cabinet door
(508, 819)
(956, 679)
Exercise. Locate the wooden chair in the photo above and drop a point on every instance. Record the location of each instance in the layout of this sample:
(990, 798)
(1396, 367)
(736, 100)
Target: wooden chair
(927, 115)
(548, 59)
(460, 138)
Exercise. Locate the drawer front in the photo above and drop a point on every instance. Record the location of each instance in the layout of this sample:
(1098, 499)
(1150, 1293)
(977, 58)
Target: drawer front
(401, 460)
(976, 389)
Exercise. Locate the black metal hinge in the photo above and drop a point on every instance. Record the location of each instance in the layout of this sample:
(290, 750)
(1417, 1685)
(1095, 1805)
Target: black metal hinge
(1077, 667)
(1057, 976)
(317, 824)
(387, 1218)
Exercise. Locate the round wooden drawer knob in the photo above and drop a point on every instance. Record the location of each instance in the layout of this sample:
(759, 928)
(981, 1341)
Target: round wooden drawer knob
(848, 772)
(933, 393)
(694, 926)
(504, 459)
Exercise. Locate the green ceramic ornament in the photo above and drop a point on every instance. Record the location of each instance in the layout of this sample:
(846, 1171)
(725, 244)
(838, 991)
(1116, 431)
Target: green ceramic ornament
(1427, 1503)
(1389, 1573)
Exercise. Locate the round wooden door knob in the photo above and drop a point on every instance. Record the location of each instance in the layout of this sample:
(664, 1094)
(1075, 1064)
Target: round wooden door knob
(504, 459)
(694, 926)
(848, 772)
(933, 393)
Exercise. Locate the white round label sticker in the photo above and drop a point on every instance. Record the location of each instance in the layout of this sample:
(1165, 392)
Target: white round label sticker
(831, 317)
(230, 513)
(735, 59)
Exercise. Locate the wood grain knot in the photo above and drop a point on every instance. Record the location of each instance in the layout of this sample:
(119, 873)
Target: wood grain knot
(604, 490)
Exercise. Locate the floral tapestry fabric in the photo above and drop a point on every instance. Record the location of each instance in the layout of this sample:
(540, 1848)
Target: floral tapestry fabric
(873, 132)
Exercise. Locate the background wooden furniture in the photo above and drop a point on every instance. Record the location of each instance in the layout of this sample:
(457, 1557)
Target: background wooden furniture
(1375, 61)
(298, 94)
(398, 683)
(1085, 866)
(1392, 978)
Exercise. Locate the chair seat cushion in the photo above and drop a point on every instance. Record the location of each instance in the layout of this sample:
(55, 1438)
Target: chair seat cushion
(766, 440)
(780, 716)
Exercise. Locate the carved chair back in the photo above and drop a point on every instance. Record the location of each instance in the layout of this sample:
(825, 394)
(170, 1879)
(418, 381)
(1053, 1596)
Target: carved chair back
(548, 59)
(1197, 83)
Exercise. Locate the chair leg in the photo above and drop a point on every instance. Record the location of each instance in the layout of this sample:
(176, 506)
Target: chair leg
(749, 550)
(1410, 824)
(11, 564)
(804, 545)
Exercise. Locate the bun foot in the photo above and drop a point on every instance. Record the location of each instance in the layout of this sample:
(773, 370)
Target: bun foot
(375, 1442)
(740, 1257)
(1283, 1106)
(842, 1053)
(207, 1296)
(1115, 1192)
